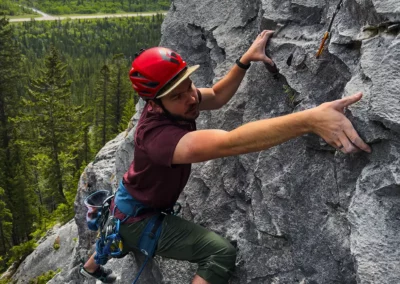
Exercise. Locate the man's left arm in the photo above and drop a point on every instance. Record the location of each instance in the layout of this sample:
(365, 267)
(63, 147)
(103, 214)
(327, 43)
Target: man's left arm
(223, 90)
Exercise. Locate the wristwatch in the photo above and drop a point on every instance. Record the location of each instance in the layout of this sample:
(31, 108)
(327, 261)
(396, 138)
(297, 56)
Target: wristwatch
(241, 65)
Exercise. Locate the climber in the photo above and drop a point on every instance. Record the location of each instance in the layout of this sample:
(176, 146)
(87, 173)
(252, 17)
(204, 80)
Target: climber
(167, 143)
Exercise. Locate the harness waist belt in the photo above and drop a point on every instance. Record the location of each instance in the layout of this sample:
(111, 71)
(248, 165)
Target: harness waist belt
(128, 205)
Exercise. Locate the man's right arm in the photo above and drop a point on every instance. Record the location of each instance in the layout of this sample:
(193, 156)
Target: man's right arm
(217, 96)
(326, 120)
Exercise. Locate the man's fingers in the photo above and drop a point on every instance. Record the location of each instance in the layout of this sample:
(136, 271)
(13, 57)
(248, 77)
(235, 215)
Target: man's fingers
(265, 34)
(346, 146)
(268, 34)
(355, 139)
(337, 130)
(269, 61)
(345, 102)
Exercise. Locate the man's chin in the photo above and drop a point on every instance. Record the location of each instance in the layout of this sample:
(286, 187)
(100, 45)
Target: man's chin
(195, 115)
(188, 117)
(191, 115)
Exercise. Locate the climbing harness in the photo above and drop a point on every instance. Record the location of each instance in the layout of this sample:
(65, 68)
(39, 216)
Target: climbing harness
(129, 205)
(149, 239)
(326, 35)
(109, 243)
(131, 208)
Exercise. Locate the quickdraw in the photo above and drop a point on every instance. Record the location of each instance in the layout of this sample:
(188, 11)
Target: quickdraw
(326, 35)
(109, 243)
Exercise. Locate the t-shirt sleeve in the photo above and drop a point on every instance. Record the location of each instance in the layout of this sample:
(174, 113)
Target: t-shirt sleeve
(160, 143)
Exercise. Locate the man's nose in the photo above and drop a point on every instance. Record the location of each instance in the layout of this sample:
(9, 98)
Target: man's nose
(192, 97)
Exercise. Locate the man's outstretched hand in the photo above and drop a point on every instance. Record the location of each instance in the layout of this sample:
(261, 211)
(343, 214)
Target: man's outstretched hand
(256, 51)
(329, 122)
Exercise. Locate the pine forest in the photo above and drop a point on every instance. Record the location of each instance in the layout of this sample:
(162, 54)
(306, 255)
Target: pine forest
(64, 92)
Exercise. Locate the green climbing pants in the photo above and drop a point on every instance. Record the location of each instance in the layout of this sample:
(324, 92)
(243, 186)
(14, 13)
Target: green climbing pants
(184, 240)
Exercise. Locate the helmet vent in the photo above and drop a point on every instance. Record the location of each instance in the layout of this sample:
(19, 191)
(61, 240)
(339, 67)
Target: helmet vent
(173, 60)
(137, 74)
(151, 84)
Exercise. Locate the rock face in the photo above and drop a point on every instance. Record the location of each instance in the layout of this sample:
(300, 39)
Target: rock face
(47, 256)
(299, 212)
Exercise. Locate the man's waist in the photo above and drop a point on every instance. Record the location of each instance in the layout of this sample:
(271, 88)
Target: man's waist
(161, 199)
(129, 205)
(145, 213)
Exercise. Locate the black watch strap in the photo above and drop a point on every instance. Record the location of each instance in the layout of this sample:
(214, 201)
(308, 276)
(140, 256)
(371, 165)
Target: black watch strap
(241, 65)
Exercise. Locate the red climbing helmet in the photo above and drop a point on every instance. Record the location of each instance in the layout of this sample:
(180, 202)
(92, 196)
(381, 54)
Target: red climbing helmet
(157, 71)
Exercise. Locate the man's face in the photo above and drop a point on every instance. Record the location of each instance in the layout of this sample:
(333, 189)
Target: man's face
(183, 101)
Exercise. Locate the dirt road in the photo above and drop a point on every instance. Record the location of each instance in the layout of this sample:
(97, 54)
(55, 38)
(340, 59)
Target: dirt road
(47, 17)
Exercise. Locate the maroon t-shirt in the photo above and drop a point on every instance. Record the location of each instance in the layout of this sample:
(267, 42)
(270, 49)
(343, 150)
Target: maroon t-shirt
(151, 178)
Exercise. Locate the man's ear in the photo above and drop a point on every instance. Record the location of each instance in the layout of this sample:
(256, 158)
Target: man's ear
(154, 107)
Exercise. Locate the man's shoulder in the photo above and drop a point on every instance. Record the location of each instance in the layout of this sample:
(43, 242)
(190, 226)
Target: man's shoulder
(154, 125)
(148, 122)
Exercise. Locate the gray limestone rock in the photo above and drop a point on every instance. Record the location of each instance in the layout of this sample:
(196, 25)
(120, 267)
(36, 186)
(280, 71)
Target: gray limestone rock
(374, 214)
(46, 257)
(299, 212)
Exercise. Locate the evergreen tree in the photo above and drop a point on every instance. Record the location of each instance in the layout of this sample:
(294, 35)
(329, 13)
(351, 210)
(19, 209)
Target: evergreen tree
(54, 122)
(128, 112)
(105, 102)
(121, 87)
(102, 110)
(5, 223)
(11, 160)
